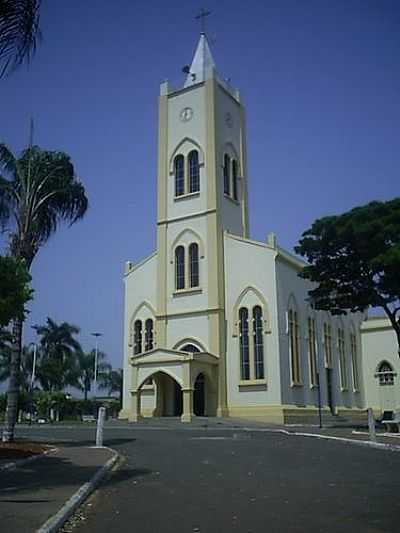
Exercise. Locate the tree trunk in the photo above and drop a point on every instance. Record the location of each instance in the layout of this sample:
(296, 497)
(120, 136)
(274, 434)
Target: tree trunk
(13, 383)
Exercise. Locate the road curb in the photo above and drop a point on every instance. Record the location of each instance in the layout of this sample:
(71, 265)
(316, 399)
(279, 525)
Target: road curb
(23, 462)
(55, 522)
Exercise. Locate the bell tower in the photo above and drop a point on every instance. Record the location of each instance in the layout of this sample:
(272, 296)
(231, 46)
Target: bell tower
(202, 192)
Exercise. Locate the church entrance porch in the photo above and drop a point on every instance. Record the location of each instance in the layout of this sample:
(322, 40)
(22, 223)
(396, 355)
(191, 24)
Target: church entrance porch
(168, 383)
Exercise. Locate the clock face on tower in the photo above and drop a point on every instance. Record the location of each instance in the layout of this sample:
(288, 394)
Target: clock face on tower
(186, 114)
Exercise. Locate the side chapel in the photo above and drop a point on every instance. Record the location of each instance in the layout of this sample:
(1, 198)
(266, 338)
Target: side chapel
(217, 324)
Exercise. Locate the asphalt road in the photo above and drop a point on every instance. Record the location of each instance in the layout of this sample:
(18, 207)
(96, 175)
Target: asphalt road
(176, 479)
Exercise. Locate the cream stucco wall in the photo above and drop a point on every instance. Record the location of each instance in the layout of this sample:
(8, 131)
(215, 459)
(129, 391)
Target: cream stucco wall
(249, 281)
(291, 288)
(379, 344)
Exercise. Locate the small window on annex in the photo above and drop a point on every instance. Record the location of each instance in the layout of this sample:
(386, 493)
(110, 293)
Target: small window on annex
(294, 346)
(386, 374)
(234, 179)
(258, 342)
(227, 175)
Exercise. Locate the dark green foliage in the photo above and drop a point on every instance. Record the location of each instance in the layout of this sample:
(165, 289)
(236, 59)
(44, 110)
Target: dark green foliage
(354, 259)
(19, 32)
(15, 290)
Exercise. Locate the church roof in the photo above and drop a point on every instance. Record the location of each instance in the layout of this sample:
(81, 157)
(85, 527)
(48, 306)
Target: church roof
(202, 61)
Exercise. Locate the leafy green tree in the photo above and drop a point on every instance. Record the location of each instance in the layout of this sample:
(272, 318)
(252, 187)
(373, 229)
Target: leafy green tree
(25, 374)
(57, 365)
(86, 362)
(19, 32)
(354, 259)
(112, 381)
(15, 291)
(38, 191)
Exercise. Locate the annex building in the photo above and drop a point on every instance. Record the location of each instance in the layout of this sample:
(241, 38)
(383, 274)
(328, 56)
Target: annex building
(217, 324)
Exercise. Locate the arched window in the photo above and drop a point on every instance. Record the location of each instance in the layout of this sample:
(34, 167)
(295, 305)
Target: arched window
(328, 344)
(194, 264)
(148, 335)
(258, 342)
(191, 348)
(194, 171)
(354, 363)
(342, 359)
(244, 343)
(180, 268)
(294, 345)
(179, 168)
(234, 179)
(137, 337)
(385, 374)
(312, 352)
(227, 177)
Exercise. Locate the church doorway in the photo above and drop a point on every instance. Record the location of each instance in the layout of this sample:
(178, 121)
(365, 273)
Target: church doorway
(169, 397)
(199, 396)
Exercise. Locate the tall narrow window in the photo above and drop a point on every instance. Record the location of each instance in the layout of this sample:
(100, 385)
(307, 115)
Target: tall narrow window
(148, 335)
(354, 364)
(180, 267)
(328, 345)
(342, 359)
(244, 343)
(137, 337)
(234, 179)
(194, 171)
(312, 351)
(179, 168)
(258, 342)
(194, 264)
(294, 346)
(227, 176)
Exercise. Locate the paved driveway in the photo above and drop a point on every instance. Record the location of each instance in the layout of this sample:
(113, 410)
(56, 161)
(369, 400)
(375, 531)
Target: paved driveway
(180, 479)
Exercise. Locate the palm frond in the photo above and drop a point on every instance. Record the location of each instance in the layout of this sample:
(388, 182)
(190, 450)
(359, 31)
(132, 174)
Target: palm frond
(19, 33)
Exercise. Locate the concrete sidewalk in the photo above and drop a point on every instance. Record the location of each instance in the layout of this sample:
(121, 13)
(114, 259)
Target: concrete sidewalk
(37, 490)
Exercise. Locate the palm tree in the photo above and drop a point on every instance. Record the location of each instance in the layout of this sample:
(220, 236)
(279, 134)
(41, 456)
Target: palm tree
(86, 362)
(38, 190)
(57, 365)
(19, 32)
(112, 381)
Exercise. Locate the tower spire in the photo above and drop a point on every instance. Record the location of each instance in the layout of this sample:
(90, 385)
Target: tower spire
(202, 61)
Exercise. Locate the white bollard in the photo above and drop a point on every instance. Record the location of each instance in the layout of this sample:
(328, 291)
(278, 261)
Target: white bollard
(371, 425)
(100, 425)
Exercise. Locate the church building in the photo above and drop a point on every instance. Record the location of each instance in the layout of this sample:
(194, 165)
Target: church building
(217, 324)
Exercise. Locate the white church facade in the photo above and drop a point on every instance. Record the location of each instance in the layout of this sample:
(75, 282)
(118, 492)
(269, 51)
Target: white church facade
(217, 324)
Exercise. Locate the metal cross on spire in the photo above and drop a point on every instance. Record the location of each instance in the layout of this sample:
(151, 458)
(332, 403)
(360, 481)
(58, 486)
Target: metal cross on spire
(202, 17)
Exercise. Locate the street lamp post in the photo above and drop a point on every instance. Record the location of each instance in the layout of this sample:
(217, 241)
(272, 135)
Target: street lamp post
(96, 353)
(32, 381)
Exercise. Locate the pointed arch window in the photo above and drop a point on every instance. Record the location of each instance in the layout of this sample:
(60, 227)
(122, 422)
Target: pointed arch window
(294, 346)
(180, 268)
(258, 342)
(244, 343)
(386, 374)
(312, 351)
(328, 344)
(234, 179)
(137, 337)
(354, 363)
(227, 175)
(342, 359)
(194, 264)
(194, 171)
(179, 169)
(148, 335)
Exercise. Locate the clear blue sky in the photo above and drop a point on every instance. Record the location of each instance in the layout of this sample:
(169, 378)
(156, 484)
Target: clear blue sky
(321, 83)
